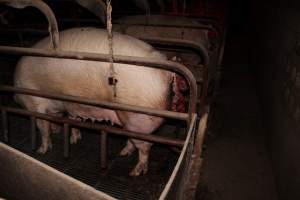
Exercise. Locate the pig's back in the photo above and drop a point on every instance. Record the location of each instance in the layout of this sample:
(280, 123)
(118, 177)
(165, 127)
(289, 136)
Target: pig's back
(88, 78)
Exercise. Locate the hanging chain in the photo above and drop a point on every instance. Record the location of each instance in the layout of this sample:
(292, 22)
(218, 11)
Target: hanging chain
(112, 74)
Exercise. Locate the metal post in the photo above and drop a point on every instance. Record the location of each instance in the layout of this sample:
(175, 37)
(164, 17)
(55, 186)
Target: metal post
(5, 126)
(103, 159)
(66, 140)
(33, 132)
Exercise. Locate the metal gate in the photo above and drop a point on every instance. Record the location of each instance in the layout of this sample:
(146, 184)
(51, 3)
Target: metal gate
(183, 181)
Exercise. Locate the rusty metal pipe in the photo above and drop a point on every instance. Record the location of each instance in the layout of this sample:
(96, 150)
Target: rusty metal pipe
(104, 104)
(45, 9)
(108, 129)
(146, 62)
(5, 126)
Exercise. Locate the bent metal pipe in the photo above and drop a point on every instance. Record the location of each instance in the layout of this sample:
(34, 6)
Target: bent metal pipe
(138, 61)
(44, 8)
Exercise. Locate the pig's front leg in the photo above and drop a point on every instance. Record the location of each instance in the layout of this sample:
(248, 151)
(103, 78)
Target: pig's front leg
(44, 127)
(75, 133)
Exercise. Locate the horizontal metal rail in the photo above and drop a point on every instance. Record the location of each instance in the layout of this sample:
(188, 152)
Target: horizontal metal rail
(194, 26)
(89, 125)
(198, 48)
(24, 30)
(91, 102)
(139, 61)
(44, 8)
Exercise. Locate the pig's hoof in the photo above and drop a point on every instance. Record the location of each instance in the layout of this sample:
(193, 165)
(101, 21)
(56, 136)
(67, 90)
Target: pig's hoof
(126, 151)
(140, 168)
(75, 137)
(43, 149)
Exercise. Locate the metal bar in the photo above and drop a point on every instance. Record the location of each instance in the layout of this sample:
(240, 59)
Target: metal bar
(197, 47)
(108, 129)
(5, 126)
(220, 59)
(153, 40)
(180, 160)
(194, 26)
(105, 104)
(23, 177)
(24, 31)
(66, 140)
(45, 9)
(196, 160)
(33, 132)
(146, 62)
(96, 7)
(204, 87)
(103, 153)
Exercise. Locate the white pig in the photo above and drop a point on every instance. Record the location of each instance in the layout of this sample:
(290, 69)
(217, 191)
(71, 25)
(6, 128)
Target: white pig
(141, 86)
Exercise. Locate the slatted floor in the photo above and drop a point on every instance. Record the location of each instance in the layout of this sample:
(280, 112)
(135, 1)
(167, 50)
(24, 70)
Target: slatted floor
(84, 162)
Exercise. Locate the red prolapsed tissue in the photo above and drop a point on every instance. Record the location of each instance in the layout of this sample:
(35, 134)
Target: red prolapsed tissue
(179, 87)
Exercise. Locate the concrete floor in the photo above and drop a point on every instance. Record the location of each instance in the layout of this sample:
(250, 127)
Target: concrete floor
(236, 161)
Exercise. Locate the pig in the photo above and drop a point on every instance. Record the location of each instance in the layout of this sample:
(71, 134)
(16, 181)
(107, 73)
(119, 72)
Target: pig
(140, 86)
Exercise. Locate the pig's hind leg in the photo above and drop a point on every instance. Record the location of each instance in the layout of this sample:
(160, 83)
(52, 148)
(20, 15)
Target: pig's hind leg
(144, 124)
(142, 165)
(128, 149)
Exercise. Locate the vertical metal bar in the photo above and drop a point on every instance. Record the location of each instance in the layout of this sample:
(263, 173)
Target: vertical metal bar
(33, 132)
(66, 140)
(45, 9)
(5, 126)
(103, 153)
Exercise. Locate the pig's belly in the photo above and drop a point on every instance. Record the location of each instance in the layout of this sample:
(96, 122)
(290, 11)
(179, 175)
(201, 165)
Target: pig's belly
(93, 113)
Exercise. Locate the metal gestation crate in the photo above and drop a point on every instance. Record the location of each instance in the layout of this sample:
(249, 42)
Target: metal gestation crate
(24, 177)
(210, 52)
(207, 70)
